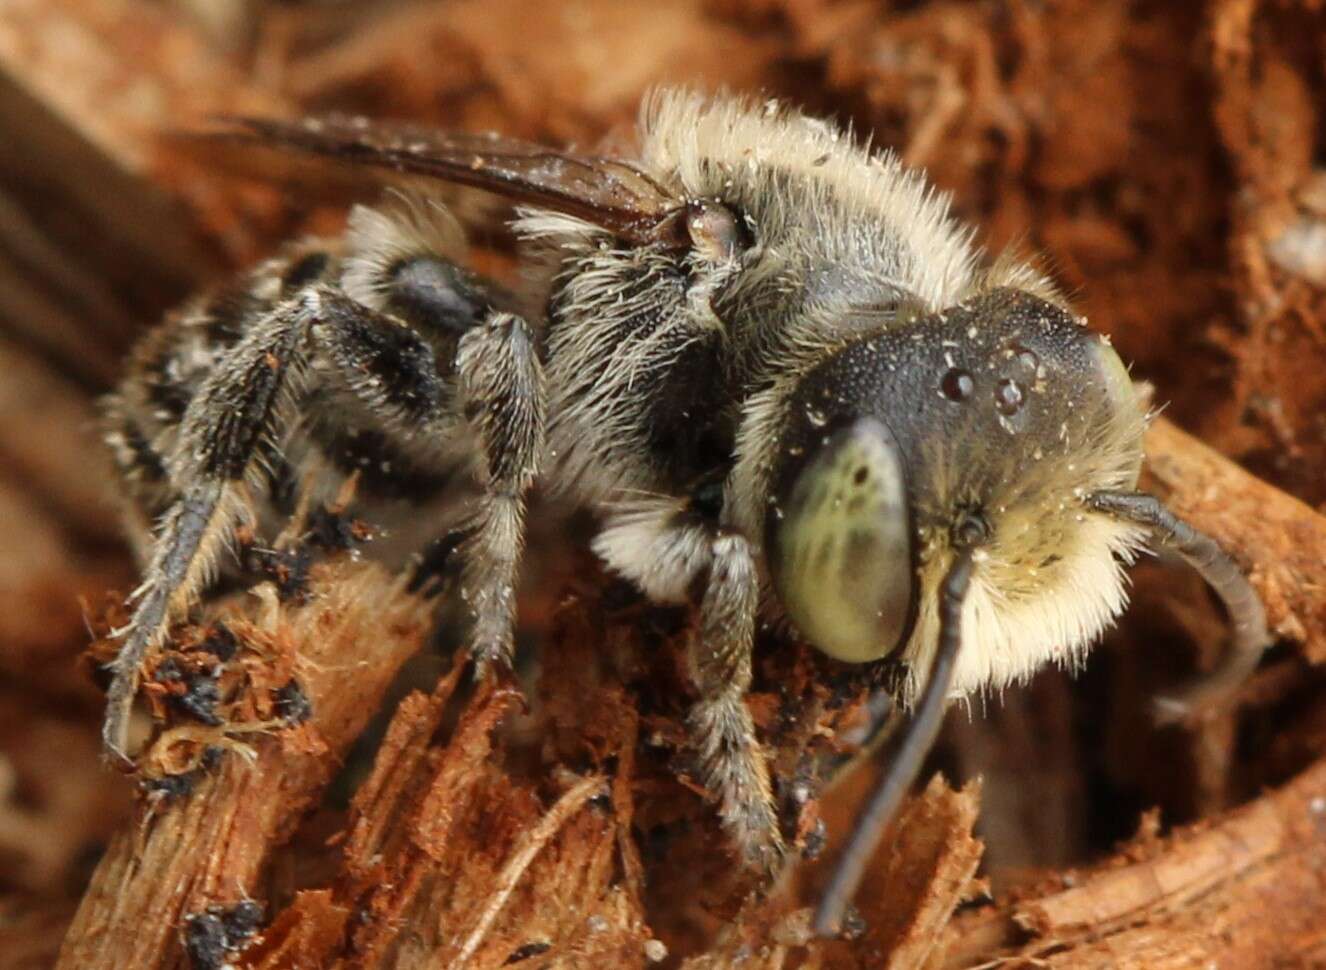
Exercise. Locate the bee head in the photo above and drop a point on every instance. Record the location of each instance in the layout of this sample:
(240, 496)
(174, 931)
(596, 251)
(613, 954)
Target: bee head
(984, 426)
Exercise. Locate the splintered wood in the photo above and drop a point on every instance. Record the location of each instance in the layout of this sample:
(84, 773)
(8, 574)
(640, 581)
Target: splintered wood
(1241, 891)
(1278, 538)
(209, 844)
(449, 858)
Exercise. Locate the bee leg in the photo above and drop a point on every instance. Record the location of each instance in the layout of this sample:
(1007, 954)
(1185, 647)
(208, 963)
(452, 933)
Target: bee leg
(501, 385)
(229, 437)
(142, 473)
(437, 565)
(1247, 616)
(223, 432)
(733, 766)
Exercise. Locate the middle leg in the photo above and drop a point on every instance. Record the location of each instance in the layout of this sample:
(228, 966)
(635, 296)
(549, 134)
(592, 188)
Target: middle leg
(501, 384)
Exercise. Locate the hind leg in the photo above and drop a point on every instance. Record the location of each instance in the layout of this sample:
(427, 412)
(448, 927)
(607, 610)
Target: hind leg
(232, 430)
(227, 424)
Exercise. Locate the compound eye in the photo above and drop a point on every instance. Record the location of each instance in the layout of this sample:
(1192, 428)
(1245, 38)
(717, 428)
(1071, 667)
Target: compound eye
(1118, 382)
(841, 553)
(1120, 394)
(717, 233)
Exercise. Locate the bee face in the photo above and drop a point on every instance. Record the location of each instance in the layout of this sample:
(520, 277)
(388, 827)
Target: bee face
(985, 424)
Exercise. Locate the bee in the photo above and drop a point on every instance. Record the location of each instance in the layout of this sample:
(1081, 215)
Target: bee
(779, 372)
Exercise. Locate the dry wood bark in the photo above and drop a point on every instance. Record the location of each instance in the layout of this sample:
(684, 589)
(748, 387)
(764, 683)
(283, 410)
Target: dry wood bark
(92, 244)
(450, 861)
(1241, 891)
(209, 846)
(1279, 539)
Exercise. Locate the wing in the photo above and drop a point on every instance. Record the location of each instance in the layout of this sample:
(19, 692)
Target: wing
(607, 192)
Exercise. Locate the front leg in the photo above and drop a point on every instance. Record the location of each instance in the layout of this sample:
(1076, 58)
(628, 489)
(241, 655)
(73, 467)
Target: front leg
(501, 381)
(734, 767)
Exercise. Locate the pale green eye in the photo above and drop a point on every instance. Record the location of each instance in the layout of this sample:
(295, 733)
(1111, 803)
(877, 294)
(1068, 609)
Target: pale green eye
(1118, 382)
(842, 560)
(1119, 389)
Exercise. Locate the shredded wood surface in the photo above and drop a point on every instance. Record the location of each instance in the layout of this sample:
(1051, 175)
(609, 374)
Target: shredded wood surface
(210, 844)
